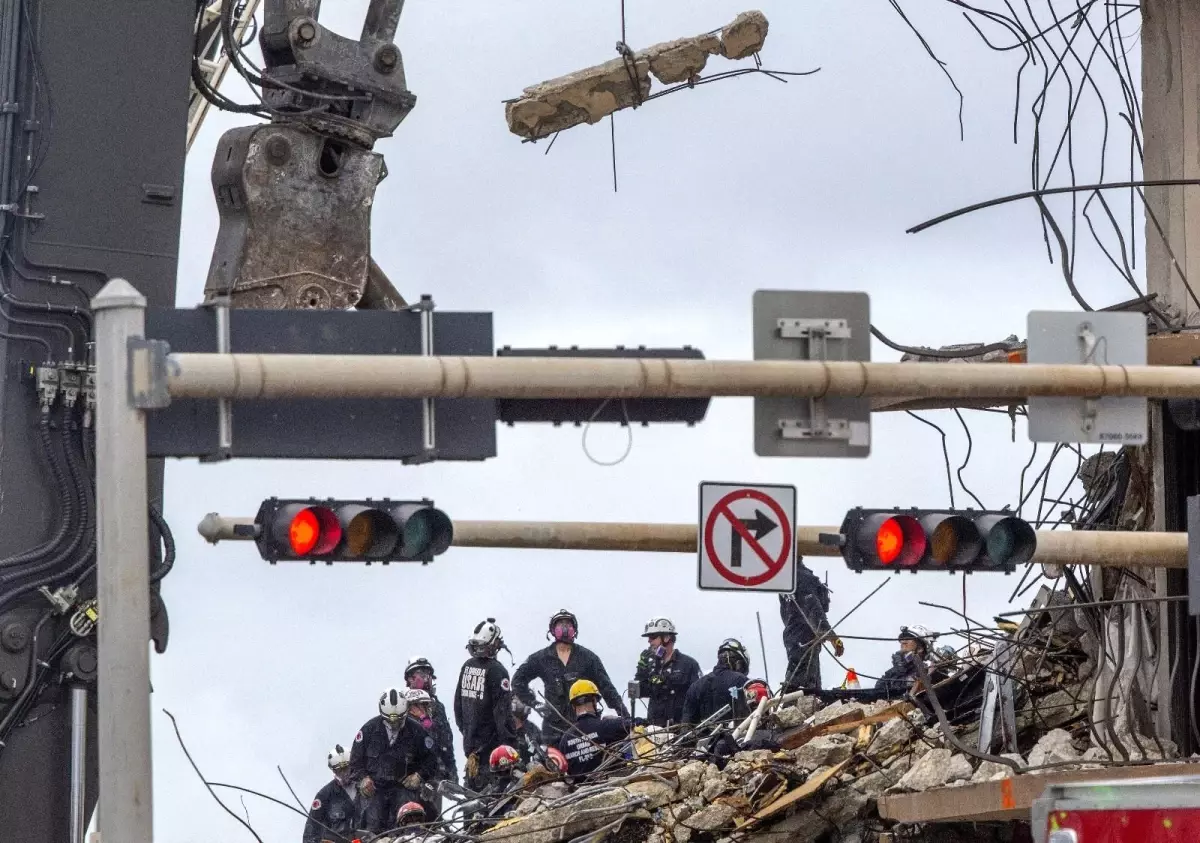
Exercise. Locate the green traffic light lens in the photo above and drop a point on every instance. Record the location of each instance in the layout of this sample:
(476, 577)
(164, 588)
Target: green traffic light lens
(1011, 541)
(418, 533)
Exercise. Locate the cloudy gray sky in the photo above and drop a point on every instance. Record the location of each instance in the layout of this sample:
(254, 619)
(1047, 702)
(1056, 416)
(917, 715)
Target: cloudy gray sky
(733, 187)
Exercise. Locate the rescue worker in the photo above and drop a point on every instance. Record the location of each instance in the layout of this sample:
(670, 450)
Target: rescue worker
(722, 687)
(560, 666)
(420, 709)
(482, 702)
(805, 615)
(409, 824)
(586, 742)
(336, 810)
(914, 644)
(664, 674)
(419, 674)
(529, 736)
(392, 757)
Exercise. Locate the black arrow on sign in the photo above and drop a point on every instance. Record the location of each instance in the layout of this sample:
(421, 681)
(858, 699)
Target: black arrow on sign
(760, 525)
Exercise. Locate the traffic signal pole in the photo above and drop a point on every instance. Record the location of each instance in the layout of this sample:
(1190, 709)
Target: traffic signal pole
(265, 376)
(1058, 547)
(122, 574)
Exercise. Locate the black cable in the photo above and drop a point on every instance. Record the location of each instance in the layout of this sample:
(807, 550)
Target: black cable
(945, 452)
(941, 64)
(66, 508)
(1192, 694)
(204, 781)
(974, 351)
(967, 458)
(1049, 191)
(168, 542)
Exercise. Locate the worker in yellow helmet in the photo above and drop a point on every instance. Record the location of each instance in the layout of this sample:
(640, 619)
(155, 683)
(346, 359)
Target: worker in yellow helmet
(584, 744)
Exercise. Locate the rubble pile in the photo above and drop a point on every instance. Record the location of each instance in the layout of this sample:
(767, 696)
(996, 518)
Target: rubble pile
(834, 764)
(591, 94)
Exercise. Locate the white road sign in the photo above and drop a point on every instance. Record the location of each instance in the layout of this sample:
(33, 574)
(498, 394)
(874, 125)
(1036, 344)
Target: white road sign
(747, 537)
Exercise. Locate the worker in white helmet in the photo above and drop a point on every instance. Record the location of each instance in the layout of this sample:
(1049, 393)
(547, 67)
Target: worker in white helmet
(664, 674)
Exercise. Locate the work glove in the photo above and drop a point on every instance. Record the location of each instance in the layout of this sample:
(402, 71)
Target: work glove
(367, 787)
(472, 766)
(412, 781)
(838, 648)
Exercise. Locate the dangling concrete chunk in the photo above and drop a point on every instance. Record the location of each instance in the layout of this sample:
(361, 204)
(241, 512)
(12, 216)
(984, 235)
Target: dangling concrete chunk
(590, 95)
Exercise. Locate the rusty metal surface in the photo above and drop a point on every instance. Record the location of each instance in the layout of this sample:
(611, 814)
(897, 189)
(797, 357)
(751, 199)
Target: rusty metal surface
(295, 211)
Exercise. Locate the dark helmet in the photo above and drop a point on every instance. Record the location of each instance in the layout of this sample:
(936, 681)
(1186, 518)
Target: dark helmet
(559, 629)
(733, 655)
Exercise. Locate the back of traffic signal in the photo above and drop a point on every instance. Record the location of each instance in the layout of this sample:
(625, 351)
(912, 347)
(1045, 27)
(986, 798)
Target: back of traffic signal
(290, 529)
(934, 540)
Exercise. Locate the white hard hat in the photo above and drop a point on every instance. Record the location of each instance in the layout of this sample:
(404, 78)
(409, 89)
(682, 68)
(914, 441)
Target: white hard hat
(418, 696)
(659, 626)
(486, 637)
(338, 757)
(393, 704)
(919, 632)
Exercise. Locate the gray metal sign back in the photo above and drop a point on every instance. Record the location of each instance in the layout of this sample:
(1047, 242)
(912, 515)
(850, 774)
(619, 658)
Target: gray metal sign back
(812, 325)
(1105, 339)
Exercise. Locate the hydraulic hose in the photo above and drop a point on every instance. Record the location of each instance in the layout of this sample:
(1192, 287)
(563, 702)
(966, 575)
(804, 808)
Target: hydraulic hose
(66, 513)
(168, 542)
(84, 530)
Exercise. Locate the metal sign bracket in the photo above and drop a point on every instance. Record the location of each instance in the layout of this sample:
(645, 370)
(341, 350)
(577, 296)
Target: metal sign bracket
(815, 336)
(425, 308)
(220, 310)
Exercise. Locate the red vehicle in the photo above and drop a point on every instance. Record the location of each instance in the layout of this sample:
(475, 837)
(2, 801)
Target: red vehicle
(1158, 810)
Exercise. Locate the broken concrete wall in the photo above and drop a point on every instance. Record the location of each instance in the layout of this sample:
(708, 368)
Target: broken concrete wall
(591, 94)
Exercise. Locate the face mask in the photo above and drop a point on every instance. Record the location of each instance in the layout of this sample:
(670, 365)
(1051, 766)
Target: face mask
(659, 651)
(419, 681)
(427, 722)
(564, 632)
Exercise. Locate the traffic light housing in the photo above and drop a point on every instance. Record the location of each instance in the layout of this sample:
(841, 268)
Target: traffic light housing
(351, 530)
(935, 540)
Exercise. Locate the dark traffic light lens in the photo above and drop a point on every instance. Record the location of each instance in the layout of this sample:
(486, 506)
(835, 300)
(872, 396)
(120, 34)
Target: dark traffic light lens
(953, 540)
(370, 533)
(314, 530)
(1010, 541)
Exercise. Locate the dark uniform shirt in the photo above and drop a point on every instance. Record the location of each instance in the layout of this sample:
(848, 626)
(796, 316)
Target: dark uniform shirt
(585, 742)
(388, 760)
(529, 739)
(900, 676)
(666, 684)
(483, 707)
(443, 738)
(334, 814)
(710, 693)
(805, 615)
(558, 679)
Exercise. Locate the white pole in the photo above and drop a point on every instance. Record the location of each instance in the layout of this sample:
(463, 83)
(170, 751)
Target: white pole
(123, 574)
(252, 376)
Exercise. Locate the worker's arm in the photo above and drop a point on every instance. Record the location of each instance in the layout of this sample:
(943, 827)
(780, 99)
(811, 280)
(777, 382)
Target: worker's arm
(526, 673)
(607, 690)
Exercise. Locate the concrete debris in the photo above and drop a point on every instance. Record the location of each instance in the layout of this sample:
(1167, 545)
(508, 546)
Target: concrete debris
(934, 769)
(745, 36)
(711, 818)
(825, 751)
(989, 771)
(1054, 747)
(591, 94)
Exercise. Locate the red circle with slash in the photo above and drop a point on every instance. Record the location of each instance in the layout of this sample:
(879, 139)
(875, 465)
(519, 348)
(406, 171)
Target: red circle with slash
(774, 564)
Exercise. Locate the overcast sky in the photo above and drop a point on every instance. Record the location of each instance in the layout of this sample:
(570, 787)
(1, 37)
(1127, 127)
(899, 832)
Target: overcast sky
(741, 185)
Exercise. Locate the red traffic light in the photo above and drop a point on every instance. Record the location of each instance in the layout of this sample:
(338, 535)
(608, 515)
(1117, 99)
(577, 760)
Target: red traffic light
(352, 530)
(312, 530)
(894, 540)
(935, 539)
